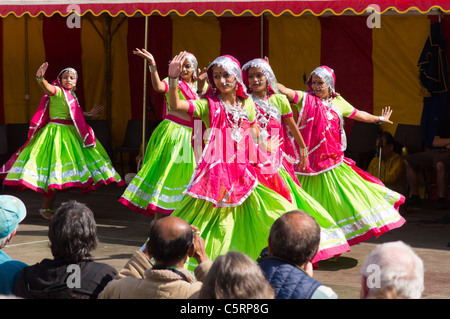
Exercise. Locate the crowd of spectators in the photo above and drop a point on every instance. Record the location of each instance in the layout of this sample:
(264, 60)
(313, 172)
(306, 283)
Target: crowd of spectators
(157, 270)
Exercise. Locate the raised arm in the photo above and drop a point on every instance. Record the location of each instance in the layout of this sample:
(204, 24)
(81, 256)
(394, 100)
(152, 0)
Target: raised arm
(290, 94)
(47, 87)
(363, 116)
(157, 84)
(175, 68)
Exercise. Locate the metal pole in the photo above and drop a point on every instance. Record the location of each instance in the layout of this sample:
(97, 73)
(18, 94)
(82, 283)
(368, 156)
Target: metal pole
(379, 159)
(262, 36)
(27, 83)
(144, 98)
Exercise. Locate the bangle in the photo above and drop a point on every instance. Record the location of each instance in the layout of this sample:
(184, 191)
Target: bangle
(152, 67)
(173, 82)
(39, 79)
(380, 119)
(303, 151)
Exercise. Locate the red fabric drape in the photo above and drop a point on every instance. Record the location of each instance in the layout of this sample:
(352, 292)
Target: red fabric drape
(241, 38)
(346, 47)
(160, 45)
(62, 50)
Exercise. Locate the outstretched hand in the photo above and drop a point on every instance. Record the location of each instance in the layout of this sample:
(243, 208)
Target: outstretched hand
(386, 113)
(202, 74)
(176, 65)
(96, 110)
(42, 69)
(145, 54)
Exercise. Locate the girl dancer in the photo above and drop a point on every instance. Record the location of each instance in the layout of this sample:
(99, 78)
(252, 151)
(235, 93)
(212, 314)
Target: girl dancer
(169, 159)
(274, 116)
(359, 203)
(61, 150)
(224, 198)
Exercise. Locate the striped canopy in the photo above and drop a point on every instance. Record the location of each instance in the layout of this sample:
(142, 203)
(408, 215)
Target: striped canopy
(217, 8)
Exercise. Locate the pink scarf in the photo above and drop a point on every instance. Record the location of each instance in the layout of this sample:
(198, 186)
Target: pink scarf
(280, 157)
(224, 175)
(321, 128)
(230, 168)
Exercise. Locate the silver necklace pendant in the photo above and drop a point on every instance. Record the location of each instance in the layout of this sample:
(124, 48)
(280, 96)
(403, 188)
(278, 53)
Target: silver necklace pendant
(236, 135)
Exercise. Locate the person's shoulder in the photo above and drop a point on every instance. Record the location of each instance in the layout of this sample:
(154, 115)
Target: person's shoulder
(324, 292)
(103, 267)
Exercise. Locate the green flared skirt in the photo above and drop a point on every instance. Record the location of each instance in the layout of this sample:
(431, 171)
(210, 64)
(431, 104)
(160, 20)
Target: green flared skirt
(56, 159)
(165, 173)
(360, 208)
(332, 239)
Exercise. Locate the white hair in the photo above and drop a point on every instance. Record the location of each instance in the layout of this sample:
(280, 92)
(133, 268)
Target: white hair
(394, 265)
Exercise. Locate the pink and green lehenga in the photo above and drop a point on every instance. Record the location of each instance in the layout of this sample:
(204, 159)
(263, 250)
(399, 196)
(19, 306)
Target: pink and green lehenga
(61, 151)
(359, 203)
(168, 163)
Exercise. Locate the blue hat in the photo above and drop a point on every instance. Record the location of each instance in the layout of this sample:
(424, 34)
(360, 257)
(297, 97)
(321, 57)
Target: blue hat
(12, 212)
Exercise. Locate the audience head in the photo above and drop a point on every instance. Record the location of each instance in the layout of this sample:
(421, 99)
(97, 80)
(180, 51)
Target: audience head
(72, 232)
(392, 266)
(170, 240)
(388, 144)
(12, 212)
(235, 276)
(295, 237)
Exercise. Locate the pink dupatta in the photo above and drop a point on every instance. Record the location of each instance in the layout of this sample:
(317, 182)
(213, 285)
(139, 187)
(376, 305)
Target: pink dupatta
(224, 175)
(320, 127)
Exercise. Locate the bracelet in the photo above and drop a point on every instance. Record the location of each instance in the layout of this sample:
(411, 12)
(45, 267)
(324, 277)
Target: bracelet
(152, 67)
(303, 151)
(40, 80)
(173, 82)
(380, 119)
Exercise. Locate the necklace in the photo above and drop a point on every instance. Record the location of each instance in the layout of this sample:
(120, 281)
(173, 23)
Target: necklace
(193, 86)
(264, 111)
(235, 115)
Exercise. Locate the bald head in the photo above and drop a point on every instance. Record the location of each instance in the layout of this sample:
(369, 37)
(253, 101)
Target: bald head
(170, 239)
(295, 237)
(171, 227)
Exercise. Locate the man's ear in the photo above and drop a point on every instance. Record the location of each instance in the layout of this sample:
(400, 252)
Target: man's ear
(191, 251)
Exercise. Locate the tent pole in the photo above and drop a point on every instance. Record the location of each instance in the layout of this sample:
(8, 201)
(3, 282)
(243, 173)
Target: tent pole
(262, 36)
(27, 83)
(108, 43)
(144, 99)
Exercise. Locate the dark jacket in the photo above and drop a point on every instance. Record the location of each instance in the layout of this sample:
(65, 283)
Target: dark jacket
(288, 280)
(54, 279)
